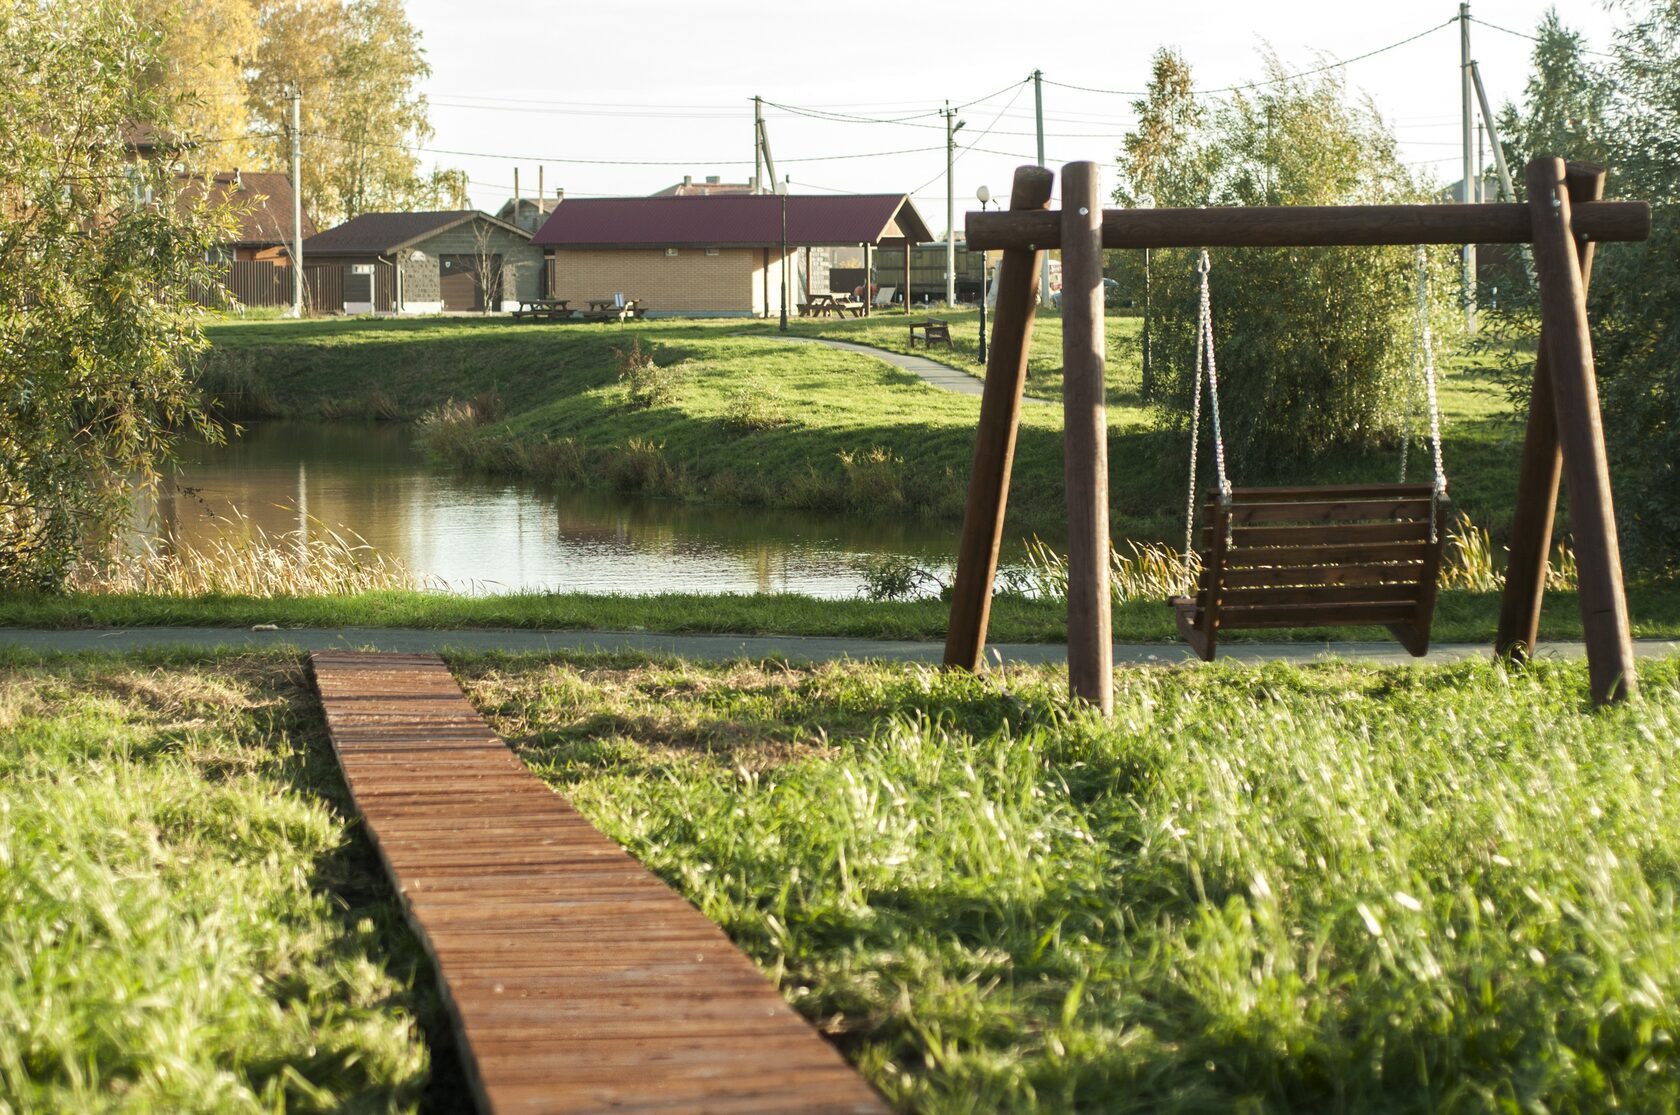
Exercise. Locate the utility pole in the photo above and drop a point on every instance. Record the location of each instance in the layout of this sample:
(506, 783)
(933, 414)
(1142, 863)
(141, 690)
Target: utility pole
(1468, 279)
(1038, 113)
(758, 145)
(952, 126)
(296, 97)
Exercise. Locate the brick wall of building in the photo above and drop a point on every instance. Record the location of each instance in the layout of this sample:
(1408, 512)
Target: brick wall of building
(690, 282)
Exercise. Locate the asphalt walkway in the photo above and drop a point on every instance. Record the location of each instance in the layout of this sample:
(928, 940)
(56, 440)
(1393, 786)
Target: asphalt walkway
(793, 648)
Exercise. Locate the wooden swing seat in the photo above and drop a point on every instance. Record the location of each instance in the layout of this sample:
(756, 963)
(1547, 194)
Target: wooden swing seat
(1343, 556)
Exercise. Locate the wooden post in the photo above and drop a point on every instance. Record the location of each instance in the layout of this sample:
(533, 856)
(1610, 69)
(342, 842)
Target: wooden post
(1085, 439)
(867, 297)
(907, 247)
(1542, 468)
(807, 272)
(1592, 519)
(994, 442)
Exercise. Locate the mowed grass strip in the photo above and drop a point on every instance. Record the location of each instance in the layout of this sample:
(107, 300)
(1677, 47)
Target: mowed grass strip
(1461, 617)
(188, 920)
(1277, 889)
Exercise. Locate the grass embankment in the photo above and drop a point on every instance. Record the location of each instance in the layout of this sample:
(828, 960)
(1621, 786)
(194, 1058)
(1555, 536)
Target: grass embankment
(1321, 889)
(189, 921)
(1461, 617)
(750, 419)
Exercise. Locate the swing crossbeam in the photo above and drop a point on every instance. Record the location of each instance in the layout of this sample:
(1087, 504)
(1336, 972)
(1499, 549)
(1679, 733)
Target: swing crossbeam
(1307, 226)
(1383, 564)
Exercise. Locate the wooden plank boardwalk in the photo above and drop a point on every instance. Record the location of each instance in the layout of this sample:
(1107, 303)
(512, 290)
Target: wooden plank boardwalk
(577, 981)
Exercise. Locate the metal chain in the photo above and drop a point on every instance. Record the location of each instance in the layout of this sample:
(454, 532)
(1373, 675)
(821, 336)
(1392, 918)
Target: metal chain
(1205, 362)
(1213, 381)
(1440, 492)
(1414, 373)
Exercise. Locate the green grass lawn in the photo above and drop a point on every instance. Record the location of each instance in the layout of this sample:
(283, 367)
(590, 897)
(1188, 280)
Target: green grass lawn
(1461, 617)
(1255, 889)
(189, 919)
(1273, 890)
(756, 421)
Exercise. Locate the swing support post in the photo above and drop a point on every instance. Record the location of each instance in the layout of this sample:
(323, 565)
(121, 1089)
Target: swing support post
(1535, 508)
(1580, 431)
(1085, 439)
(994, 443)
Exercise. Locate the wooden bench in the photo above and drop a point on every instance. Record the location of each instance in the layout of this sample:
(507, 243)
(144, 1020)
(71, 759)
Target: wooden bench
(931, 330)
(1343, 556)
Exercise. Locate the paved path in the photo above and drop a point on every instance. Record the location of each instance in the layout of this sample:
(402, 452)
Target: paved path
(576, 980)
(718, 647)
(931, 372)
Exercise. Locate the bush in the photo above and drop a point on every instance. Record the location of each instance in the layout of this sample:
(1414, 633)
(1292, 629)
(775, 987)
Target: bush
(645, 383)
(757, 405)
(873, 482)
(1314, 345)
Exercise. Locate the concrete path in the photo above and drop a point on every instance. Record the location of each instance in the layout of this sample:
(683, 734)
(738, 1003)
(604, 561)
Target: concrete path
(931, 372)
(717, 647)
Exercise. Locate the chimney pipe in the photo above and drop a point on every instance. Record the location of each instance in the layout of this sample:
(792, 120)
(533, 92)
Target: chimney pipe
(515, 195)
(540, 190)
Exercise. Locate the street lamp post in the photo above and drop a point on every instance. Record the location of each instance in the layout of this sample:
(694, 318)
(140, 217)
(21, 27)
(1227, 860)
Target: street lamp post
(781, 190)
(985, 197)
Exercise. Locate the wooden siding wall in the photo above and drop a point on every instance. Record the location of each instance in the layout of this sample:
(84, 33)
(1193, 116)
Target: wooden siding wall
(689, 282)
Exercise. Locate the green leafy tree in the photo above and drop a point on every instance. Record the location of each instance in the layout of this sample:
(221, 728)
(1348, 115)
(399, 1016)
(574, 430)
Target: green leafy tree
(359, 65)
(1636, 289)
(96, 326)
(1314, 345)
(1564, 102)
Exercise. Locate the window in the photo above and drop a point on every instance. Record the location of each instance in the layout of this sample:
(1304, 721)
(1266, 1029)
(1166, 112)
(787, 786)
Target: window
(670, 253)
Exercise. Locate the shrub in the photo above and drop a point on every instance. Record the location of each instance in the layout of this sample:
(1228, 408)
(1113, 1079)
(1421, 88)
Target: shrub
(641, 467)
(645, 383)
(757, 405)
(873, 482)
(894, 577)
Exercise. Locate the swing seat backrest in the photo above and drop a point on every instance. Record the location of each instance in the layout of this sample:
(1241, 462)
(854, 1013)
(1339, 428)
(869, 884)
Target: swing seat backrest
(1317, 557)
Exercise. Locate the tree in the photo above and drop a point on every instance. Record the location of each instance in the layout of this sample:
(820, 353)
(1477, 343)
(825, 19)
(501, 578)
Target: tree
(359, 65)
(1166, 160)
(1563, 104)
(1636, 289)
(96, 325)
(203, 47)
(1314, 345)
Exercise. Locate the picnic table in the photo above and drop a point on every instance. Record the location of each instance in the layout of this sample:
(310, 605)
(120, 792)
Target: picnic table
(607, 309)
(824, 305)
(543, 309)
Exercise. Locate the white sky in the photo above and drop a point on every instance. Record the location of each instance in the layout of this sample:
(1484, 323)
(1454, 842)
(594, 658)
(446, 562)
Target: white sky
(524, 83)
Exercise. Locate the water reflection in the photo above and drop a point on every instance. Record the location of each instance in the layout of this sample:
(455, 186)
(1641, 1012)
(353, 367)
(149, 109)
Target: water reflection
(486, 535)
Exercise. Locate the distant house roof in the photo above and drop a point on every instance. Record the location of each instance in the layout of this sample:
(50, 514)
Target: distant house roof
(263, 204)
(713, 186)
(380, 233)
(745, 221)
(531, 211)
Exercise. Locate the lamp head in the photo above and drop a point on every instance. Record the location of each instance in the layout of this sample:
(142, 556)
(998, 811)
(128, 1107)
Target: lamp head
(984, 195)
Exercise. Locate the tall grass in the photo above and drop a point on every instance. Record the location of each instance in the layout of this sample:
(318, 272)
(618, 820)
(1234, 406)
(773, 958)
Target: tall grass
(186, 922)
(1260, 890)
(243, 559)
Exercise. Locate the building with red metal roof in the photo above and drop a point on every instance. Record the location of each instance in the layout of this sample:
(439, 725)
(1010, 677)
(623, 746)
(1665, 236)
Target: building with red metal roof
(706, 255)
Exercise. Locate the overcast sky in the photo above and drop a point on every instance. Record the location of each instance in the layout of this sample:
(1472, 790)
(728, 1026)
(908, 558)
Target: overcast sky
(586, 90)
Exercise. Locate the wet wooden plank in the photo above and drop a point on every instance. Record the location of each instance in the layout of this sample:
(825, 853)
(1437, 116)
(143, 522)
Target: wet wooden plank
(577, 981)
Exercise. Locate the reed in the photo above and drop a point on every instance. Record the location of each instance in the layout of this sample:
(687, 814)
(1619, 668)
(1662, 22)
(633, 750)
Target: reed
(243, 559)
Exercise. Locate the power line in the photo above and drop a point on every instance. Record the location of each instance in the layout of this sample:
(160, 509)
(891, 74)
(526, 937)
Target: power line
(1535, 38)
(1270, 81)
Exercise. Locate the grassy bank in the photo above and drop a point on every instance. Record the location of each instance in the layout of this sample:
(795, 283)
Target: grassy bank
(189, 920)
(1461, 616)
(749, 419)
(1320, 889)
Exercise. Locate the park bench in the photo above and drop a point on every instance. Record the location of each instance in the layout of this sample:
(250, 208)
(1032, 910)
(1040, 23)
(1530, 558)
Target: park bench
(931, 330)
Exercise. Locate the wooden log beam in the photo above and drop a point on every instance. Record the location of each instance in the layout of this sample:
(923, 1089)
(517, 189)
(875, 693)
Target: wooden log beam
(994, 442)
(1085, 439)
(1542, 468)
(1592, 518)
(1306, 226)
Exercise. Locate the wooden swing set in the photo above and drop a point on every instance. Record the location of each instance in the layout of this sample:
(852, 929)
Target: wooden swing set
(1305, 556)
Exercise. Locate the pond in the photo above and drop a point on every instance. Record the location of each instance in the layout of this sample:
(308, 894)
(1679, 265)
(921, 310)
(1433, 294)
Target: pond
(487, 535)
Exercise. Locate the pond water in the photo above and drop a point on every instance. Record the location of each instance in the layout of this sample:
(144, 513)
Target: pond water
(487, 535)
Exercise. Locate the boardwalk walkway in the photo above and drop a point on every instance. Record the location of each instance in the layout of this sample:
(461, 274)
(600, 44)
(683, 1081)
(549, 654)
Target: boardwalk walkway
(576, 980)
